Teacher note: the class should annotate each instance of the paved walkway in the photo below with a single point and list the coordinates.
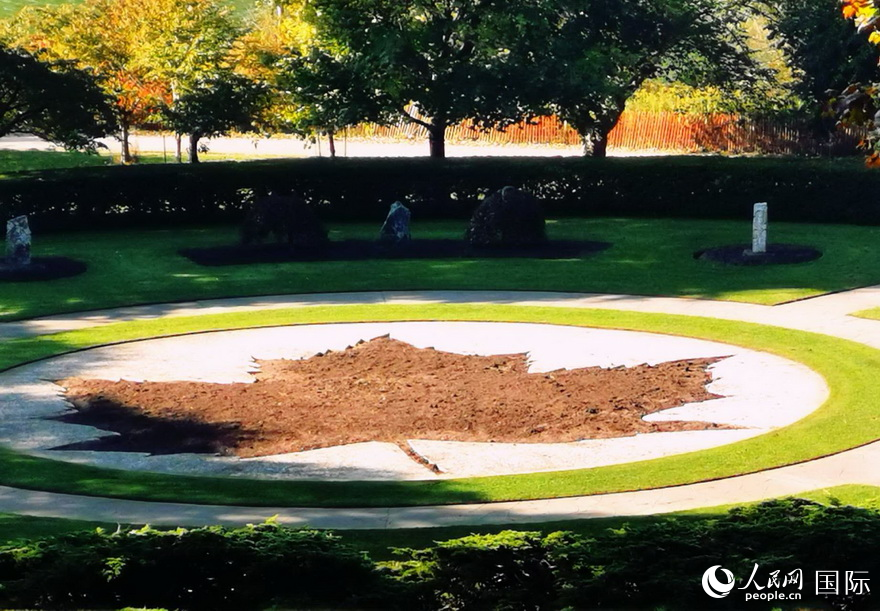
(828, 314)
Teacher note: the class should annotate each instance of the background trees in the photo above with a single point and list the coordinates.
(431, 62)
(214, 106)
(144, 53)
(53, 101)
(326, 64)
(600, 52)
(825, 52)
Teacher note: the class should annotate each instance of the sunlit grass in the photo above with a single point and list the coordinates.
(647, 258)
(849, 417)
(870, 314)
(24, 161)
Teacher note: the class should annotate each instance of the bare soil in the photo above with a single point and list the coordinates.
(385, 390)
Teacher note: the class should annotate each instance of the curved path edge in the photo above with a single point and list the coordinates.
(828, 315)
(844, 468)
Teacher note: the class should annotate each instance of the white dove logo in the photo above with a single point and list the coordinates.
(715, 587)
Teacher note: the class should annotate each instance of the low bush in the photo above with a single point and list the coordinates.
(800, 190)
(653, 566)
(204, 568)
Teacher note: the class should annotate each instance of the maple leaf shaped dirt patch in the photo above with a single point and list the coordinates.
(385, 390)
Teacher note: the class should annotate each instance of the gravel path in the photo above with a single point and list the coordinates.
(828, 314)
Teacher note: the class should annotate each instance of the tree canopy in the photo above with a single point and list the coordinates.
(825, 51)
(143, 52)
(599, 52)
(431, 62)
(214, 106)
(54, 101)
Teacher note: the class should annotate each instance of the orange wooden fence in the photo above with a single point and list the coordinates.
(661, 131)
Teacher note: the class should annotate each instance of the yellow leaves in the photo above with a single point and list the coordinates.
(858, 9)
(874, 37)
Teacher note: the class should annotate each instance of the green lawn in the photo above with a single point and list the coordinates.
(849, 418)
(14, 162)
(26, 161)
(649, 257)
(870, 314)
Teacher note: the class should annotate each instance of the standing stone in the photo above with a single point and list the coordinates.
(509, 217)
(18, 242)
(288, 218)
(759, 228)
(395, 229)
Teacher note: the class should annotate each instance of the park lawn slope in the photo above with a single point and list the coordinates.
(849, 418)
(647, 257)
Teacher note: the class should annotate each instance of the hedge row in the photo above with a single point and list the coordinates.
(362, 189)
(649, 567)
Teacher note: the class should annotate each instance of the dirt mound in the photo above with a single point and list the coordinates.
(386, 390)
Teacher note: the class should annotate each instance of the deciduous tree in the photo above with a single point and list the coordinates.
(213, 107)
(143, 52)
(53, 101)
(597, 53)
(431, 62)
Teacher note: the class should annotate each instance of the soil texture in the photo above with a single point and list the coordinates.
(41, 268)
(356, 250)
(385, 390)
(777, 254)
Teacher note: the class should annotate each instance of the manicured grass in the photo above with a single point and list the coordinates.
(652, 257)
(14, 162)
(870, 314)
(26, 161)
(850, 416)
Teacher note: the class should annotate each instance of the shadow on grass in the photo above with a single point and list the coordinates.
(648, 257)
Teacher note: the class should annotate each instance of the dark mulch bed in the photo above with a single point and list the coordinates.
(385, 390)
(777, 254)
(354, 250)
(42, 268)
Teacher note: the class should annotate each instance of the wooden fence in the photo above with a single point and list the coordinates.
(660, 131)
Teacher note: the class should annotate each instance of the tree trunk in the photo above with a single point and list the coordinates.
(194, 148)
(126, 149)
(437, 140)
(595, 143)
(178, 156)
(332, 142)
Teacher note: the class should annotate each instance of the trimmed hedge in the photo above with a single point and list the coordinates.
(658, 565)
(801, 190)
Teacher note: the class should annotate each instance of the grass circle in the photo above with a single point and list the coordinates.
(849, 418)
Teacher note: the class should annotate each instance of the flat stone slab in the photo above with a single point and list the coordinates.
(762, 392)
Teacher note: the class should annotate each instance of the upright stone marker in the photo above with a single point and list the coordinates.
(759, 228)
(395, 230)
(18, 242)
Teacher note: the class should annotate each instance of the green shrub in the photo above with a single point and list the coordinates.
(204, 568)
(362, 189)
(655, 566)
(508, 570)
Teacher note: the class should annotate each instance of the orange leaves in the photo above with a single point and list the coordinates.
(873, 160)
(856, 8)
